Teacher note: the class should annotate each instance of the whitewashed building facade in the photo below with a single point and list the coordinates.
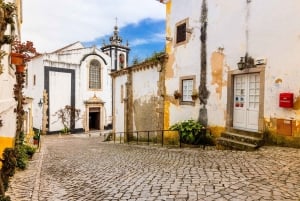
(205, 41)
(76, 76)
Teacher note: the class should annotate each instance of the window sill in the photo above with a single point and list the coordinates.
(192, 103)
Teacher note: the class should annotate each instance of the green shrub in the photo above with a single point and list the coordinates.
(29, 150)
(189, 131)
(4, 198)
(22, 157)
(192, 132)
(8, 166)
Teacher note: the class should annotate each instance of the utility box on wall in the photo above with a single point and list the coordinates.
(286, 100)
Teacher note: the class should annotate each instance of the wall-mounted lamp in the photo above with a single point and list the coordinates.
(163, 1)
(245, 62)
(40, 103)
(189, 30)
(169, 38)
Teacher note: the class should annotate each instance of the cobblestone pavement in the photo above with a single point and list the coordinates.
(85, 168)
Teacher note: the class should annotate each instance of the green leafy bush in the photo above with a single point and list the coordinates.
(8, 166)
(23, 153)
(22, 157)
(4, 198)
(29, 150)
(192, 132)
(189, 131)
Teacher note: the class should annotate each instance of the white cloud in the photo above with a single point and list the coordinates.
(158, 37)
(52, 24)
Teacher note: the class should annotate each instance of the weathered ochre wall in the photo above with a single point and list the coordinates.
(168, 67)
(146, 115)
(217, 72)
(5, 142)
(285, 132)
(234, 29)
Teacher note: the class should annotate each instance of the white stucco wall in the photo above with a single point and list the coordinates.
(58, 97)
(35, 68)
(7, 81)
(7, 101)
(119, 103)
(60, 83)
(145, 83)
(272, 34)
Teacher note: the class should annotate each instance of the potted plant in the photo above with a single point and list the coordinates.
(177, 94)
(36, 138)
(194, 95)
(16, 58)
(21, 53)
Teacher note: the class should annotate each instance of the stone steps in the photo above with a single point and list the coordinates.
(240, 140)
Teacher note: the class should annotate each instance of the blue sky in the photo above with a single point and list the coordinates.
(144, 38)
(141, 22)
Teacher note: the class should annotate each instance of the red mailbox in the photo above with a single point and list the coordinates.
(286, 100)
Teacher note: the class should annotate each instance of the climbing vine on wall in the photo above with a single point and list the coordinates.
(203, 92)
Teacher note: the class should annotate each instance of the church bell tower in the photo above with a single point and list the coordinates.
(118, 52)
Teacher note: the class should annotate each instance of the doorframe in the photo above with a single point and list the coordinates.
(94, 102)
(230, 92)
(98, 118)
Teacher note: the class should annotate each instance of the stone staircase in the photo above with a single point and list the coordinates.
(240, 140)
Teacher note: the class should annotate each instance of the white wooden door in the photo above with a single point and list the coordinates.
(246, 101)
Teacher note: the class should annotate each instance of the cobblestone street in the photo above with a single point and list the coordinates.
(77, 167)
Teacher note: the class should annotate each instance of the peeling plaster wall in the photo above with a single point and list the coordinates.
(138, 98)
(271, 35)
(146, 102)
(183, 60)
(263, 29)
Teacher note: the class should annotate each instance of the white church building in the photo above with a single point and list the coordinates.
(76, 76)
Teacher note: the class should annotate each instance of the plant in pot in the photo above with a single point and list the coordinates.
(27, 51)
(21, 53)
(177, 94)
(1, 122)
(194, 95)
(36, 138)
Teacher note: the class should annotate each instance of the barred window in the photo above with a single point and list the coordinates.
(95, 75)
